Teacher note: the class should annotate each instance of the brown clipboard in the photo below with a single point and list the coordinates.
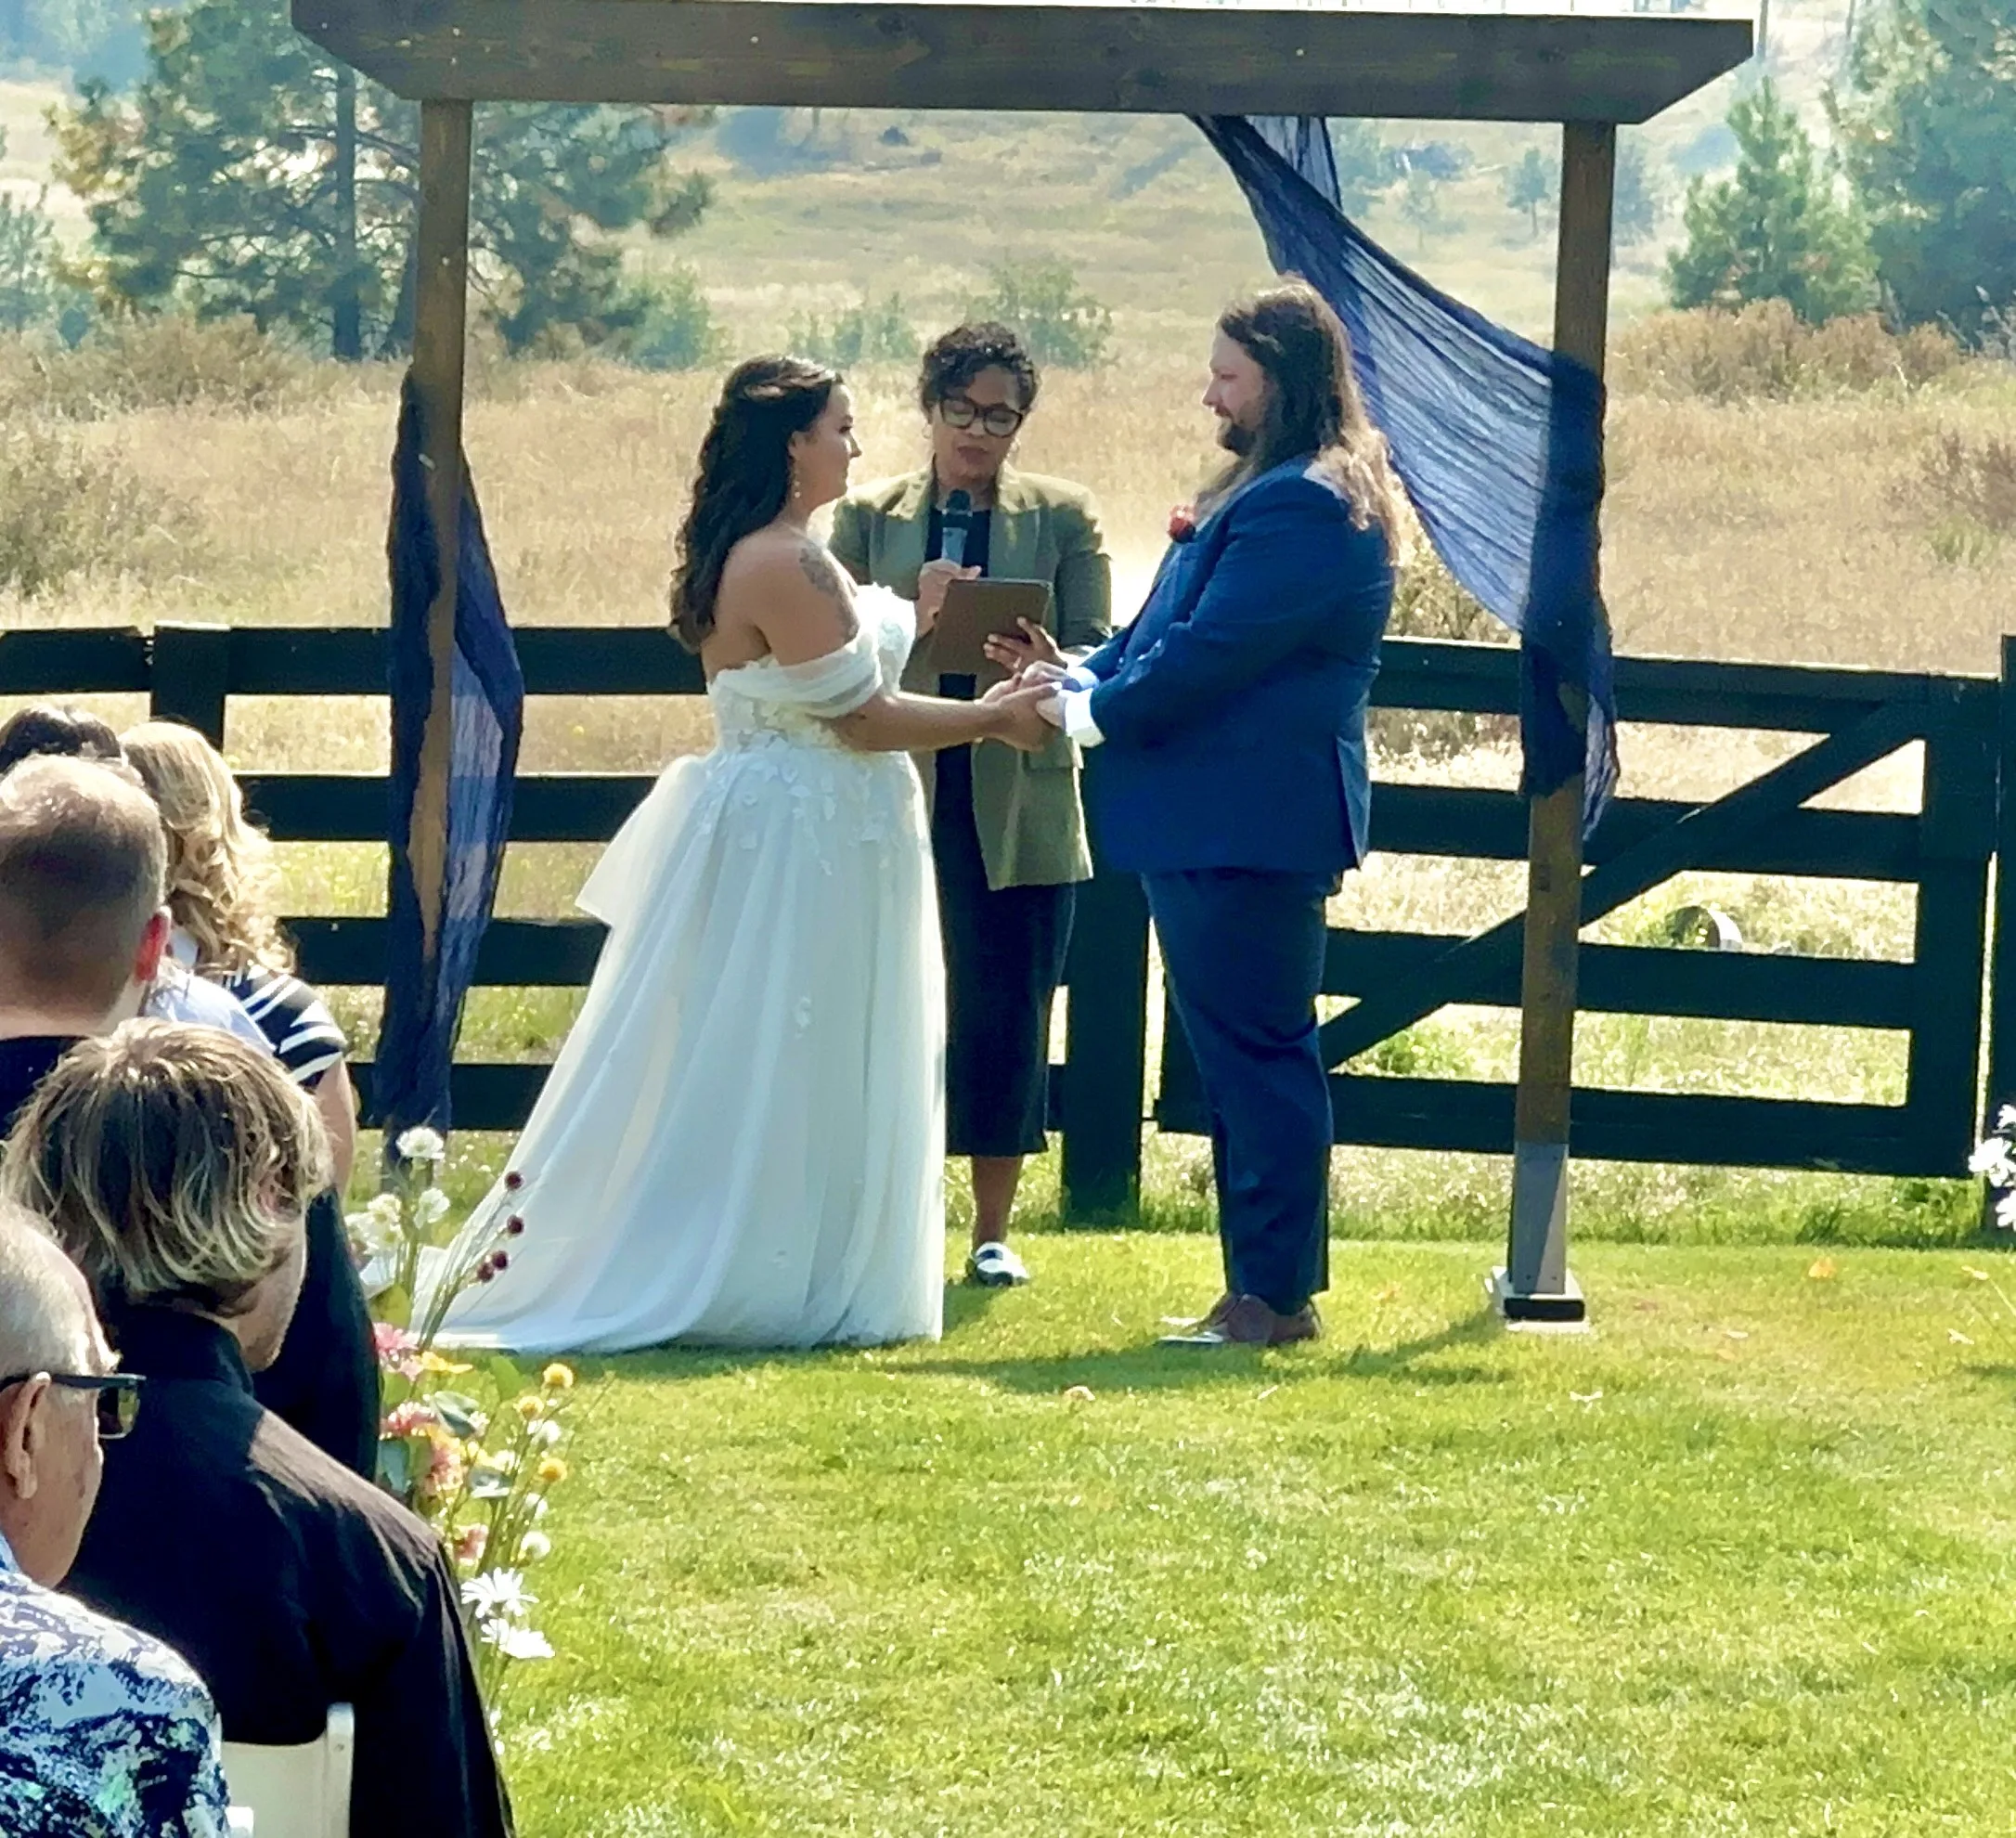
(976, 611)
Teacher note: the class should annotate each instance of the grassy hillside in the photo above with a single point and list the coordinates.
(926, 203)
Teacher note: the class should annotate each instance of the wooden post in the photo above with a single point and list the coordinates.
(189, 677)
(441, 314)
(2002, 950)
(1535, 1284)
(1105, 1048)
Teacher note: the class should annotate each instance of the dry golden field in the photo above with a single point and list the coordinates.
(1813, 529)
(1790, 531)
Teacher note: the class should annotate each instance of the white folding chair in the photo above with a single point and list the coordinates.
(299, 1792)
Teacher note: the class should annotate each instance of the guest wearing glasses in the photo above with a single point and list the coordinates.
(102, 1729)
(177, 1165)
(1007, 828)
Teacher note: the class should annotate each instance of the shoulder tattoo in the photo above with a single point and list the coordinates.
(824, 572)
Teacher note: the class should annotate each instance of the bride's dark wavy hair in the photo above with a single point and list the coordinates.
(744, 476)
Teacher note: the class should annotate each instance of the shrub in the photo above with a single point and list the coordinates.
(1064, 325)
(1428, 603)
(1765, 352)
(66, 511)
(1968, 489)
(873, 332)
(679, 330)
(160, 362)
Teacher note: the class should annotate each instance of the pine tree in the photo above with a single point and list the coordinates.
(252, 173)
(27, 285)
(1534, 181)
(1778, 230)
(1637, 202)
(1929, 137)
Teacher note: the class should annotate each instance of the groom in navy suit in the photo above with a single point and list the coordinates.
(1231, 713)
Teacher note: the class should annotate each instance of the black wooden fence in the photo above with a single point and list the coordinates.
(1967, 727)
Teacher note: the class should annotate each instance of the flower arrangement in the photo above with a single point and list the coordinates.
(479, 1471)
(1182, 523)
(1994, 1161)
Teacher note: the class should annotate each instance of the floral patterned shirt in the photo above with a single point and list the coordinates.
(103, 1733)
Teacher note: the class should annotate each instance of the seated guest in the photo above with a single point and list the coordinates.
(49, 727)
(83, 865)
(48, 730)
(221, 897)
(176, 1166)
(102, 1729)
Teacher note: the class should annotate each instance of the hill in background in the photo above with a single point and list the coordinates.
(815, 210)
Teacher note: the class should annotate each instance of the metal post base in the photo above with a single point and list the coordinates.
(1563, 1307)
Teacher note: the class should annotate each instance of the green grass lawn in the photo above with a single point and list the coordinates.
(1736, 1561)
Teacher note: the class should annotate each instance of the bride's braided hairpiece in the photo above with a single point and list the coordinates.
(743, 477)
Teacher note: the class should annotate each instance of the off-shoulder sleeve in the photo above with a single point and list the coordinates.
(830, 686)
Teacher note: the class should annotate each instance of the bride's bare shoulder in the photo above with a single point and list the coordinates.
(784, 585)
(773, 566)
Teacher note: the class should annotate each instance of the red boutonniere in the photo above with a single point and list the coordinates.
(1182, 523)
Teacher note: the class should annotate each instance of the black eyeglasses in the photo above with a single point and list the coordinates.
(118, 1399)
(1000, 421)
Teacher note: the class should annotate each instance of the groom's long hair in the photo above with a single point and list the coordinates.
(1313, 406)
(743, 478)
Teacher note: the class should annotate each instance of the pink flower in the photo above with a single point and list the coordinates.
(396, 1350)
(410, 1419)
(1182, 523)
(470, 1541)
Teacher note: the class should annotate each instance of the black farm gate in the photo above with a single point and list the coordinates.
(1098, 1099)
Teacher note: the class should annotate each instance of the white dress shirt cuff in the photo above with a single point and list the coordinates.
(1080, 679)
(1078, 718)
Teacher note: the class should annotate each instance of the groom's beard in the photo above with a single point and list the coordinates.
(1237, 440)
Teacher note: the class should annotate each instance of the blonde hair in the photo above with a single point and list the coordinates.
(222, 882)
(174, 1164)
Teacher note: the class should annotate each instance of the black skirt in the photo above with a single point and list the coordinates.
(1005, 952)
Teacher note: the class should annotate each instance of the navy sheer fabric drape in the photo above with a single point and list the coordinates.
(1499, 443)
(430, 957)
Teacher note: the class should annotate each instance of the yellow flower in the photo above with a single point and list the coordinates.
(551, 1472)
(530, 1406)
(431, 1361)
(558, 1378)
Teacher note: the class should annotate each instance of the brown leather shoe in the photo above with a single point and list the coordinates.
(1248, 1322)
(1199, 1324)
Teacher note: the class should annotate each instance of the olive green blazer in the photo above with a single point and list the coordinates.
(1025, 804)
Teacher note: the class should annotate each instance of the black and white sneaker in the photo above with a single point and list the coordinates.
(994, 1266)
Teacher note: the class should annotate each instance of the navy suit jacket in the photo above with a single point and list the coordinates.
(1233, 709)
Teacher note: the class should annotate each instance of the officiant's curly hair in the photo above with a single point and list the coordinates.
(1314, 405)
(743, 477)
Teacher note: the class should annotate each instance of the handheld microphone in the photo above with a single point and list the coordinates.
(956, 520)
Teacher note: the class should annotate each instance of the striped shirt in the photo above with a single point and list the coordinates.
(289, 1016)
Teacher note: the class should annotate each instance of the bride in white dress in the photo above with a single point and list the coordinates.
(742, 1141)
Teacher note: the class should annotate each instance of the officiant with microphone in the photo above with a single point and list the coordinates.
(1007, 828)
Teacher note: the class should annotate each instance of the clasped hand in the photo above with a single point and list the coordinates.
(1027, 710)
(1035, 664)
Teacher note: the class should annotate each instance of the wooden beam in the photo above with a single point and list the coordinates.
(439, 343)
(1535, 1284)
(1154, 58)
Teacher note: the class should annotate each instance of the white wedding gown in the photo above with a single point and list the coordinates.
(741, 1143)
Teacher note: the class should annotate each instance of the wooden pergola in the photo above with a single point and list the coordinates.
(1589, 72)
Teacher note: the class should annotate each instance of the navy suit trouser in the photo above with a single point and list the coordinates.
(1241, 953)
